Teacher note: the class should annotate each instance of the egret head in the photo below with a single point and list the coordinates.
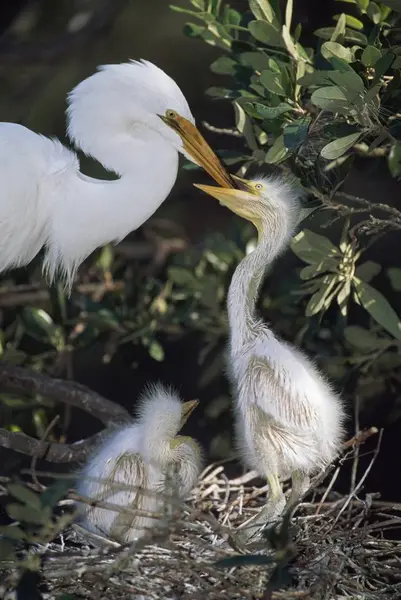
(136, 99)
(258, 200)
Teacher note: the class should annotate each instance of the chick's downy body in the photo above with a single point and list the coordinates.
(153, 465)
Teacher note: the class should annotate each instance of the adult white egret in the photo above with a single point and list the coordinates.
(289, 421)
(131, 117)
(149, 459)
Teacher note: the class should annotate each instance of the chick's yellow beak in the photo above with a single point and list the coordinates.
(234, 199)
(197, 147)
(187, 410)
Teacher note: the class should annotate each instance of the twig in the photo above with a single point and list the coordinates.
(22, 295)
(36, 456)
(49, 451)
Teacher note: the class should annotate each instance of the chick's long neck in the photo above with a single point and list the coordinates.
(248, 277)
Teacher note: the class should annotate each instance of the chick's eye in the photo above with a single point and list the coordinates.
(258, 186)
(171, 113)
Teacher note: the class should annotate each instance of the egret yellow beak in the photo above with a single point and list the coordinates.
(197, 147)
(235, 199)
(187, 409)
(243, 201)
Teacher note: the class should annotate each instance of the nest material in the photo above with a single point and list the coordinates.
(335, 548)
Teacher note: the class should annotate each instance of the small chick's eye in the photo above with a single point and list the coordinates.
(171, 114)
(258, 186)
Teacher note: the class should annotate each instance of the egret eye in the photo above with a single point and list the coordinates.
(258, 186)
(171, 114)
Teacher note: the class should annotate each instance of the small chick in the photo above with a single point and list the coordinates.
(147, 455)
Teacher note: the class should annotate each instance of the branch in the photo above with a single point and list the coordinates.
(18, 379)
(49, 451)
(21, 295)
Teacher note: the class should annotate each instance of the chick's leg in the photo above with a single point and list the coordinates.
(300, 485)
(273, 509)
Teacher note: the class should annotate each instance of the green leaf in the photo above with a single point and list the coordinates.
(331, 98)
(261, 111)
(350, 21)
(330, 49)
(105, 260)
(272, 82)
(318, 301)
(382, 66)
(367, 270)
(393, 4)
(370, 56)
(356, 37)
(38, 323)
(263, 10)
(378, 307)
(312, 247)
(156, 351)
(364, 339)
(296, 133)
(27, 514)
(11, 532)
(394, 160)
(350, 83)
(25, 495)
(338, 147)
(318, 268)
(394, 274)
(343, 297)
(266, 33)
(7, 551)
(339, 29)
(288, 13)
(258, 61)
(193, 30)
(183, 277)
(244, 125)
(363, 5)
(55, 492)
(374, 13)
(219, 92)
(277, 152)
(223, 66)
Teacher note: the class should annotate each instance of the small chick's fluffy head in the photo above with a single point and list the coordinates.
(159, 412)
(121, 98)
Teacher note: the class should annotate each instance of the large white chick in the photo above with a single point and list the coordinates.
(289, 421)
(155, 465)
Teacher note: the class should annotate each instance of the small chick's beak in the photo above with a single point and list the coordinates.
(187, 410)
(234, 199)
(198, 148)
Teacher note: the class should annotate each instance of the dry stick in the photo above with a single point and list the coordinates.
(363, 478)
(36, 455)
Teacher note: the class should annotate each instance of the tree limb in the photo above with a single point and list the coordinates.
(18, 379)
(50, 451)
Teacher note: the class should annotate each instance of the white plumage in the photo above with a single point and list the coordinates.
(289, 421)
(151, 461)
(131, 117)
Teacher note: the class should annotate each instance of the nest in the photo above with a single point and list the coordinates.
(333, 547)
